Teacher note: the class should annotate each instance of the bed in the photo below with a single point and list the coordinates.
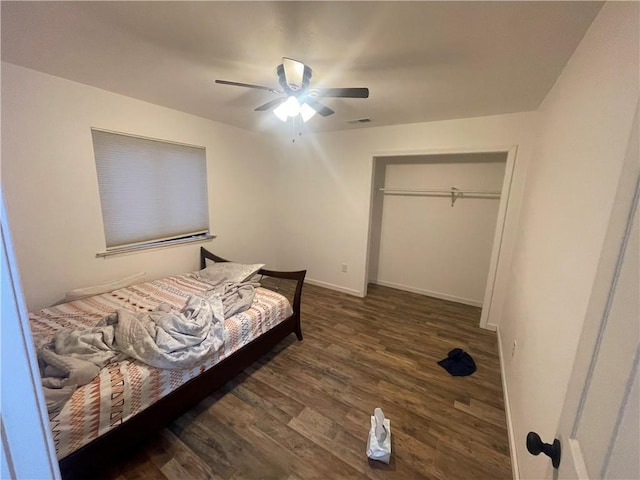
(128, 400)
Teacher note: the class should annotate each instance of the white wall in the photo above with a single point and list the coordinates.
(51, 192)
(317, 216)
(573, 174)
(326, 190)
(427, 245)
(310, 211)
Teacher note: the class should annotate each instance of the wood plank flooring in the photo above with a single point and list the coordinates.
(302, 411)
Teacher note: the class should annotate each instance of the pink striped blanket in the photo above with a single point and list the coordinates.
(123, 389)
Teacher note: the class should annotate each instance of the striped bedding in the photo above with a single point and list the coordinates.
(126, 388)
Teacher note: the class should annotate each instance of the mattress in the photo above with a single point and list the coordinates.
(123, 389)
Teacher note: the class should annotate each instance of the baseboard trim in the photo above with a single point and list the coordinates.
(492, 327)
(507, 409)
(428, 293)
(332, 286)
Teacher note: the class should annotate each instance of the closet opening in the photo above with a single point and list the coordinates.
(437, 222)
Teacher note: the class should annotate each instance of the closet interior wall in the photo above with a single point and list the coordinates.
(423, 242)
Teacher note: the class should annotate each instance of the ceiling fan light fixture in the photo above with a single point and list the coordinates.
(293, 106)
(289, 108)
(281, 112)
(306, 112)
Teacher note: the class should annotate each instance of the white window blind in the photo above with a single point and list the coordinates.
(151, 191)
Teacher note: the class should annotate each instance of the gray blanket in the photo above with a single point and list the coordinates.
(163, 338)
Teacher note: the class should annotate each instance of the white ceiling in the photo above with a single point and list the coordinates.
(422, 61)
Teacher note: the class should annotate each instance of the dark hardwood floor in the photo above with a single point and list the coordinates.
(302, 411)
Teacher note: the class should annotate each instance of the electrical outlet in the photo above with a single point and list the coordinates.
(344, 268)
(513, 348)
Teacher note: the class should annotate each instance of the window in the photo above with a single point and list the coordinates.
(152, 192)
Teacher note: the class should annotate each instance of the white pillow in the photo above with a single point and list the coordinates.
(220, 272)
(79, 293)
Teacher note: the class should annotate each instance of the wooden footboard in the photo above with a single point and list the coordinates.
(84, 462)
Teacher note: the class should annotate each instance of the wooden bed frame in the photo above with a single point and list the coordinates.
(102, 450)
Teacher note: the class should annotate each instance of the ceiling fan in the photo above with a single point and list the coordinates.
(299, 99)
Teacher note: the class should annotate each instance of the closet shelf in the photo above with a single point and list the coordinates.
(452, 192)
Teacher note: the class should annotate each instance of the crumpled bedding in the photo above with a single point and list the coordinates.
(163, 338)
(73, 358)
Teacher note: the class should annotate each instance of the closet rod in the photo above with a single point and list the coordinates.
(447, 191)
(454, 192)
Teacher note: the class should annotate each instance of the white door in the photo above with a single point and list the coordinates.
(27, 450)
(600, 428)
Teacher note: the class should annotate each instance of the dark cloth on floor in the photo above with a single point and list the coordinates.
(458, 363)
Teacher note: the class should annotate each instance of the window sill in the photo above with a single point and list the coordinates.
(154, 245)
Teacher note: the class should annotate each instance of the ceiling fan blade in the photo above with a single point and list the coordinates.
(247, 85)
(270, 105)
(319, 108)
(354, 92)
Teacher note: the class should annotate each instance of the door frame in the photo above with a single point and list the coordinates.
(27, 449)
(502, 230)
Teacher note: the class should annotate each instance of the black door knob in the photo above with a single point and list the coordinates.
(536, 446)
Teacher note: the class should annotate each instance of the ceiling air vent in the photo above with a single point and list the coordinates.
(359, 120)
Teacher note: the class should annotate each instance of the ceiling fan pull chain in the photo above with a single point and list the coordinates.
(293, 129)
(297, 125)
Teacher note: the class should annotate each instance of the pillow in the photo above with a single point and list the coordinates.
(220, 272)
(79, 293)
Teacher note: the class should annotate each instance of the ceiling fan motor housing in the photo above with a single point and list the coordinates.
(293, 76)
